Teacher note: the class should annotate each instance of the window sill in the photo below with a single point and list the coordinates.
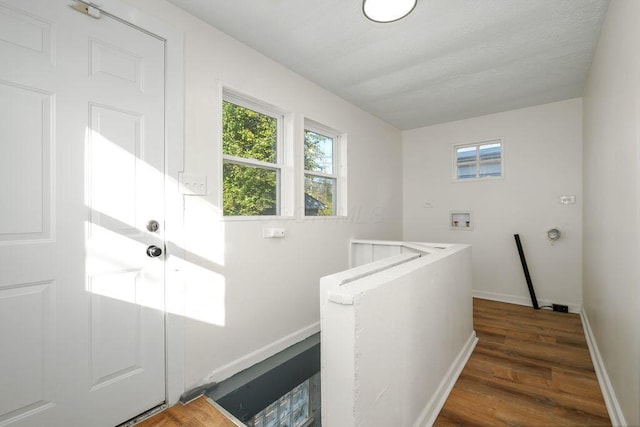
(319, 217)
(272, 218)
(264, 218)
(486, 178)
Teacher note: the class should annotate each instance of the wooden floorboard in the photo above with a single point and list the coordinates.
(198, 413)
(529, 368)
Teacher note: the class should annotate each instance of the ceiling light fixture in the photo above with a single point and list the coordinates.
(387, 10)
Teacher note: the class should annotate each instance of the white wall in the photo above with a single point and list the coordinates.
(253, 296)
(542, 160)
(611, 206)
(392, 347)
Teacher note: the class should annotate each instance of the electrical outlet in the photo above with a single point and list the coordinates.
(561, 308)
(568, 200)
(272, 233)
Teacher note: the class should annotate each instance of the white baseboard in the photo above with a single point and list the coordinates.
(434, 406)
(609, 395)
(520, 300)
(248, 360)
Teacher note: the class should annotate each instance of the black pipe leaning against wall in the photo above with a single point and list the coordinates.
(523, 260)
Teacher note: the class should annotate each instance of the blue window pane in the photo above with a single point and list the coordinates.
(466, 154)
(318, 152)
(467, 171)
(490, 151)
(490, 169)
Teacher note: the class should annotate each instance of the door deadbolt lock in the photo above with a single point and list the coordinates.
(153, 251)
(153, 226)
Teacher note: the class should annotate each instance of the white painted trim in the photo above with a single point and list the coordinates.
(520, 300)
(248, 360)
(434, 406)
(608, 393)
(454, 170)
(174, 164)
(174, 122)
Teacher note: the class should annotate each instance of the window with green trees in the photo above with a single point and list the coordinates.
(257, 177)
(320, 171)
(251, 166)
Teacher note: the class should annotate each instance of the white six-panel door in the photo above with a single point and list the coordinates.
(81, 175)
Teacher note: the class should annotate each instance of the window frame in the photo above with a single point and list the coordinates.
(477, 161)
(280, 166)
(339, 167)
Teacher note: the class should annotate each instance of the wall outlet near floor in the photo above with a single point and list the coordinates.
(560, 308)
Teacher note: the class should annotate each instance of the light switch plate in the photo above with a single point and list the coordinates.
(193, 185)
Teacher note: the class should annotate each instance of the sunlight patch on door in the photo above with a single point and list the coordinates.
(113, 179)
(117, 238)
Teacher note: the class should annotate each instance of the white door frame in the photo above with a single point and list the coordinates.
(174, 164)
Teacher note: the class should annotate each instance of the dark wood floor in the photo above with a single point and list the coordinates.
(529, 368)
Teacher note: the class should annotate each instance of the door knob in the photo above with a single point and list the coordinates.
(153, 225)
(153, 251)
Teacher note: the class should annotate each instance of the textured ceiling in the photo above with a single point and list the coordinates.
(448, 60)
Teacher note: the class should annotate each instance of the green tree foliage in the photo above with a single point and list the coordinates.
(248, 134)
(311, 151)
(318, 157)
(250, 190)
(321, 189)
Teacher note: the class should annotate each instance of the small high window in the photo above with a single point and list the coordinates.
(251, 153)
(322, 181)
(480, 160)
